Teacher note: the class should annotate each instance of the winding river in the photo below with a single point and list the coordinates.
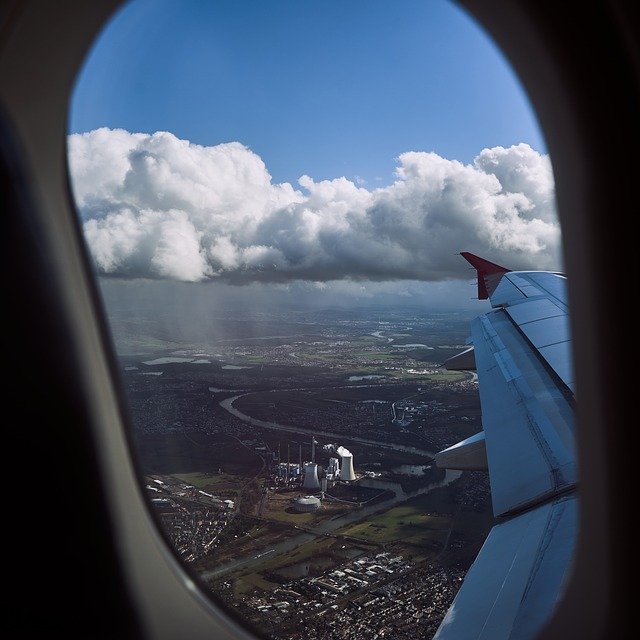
(227, 405)
(327, 527)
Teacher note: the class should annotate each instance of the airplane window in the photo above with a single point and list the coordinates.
(274, 197)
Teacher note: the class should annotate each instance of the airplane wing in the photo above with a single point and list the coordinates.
(522, 354)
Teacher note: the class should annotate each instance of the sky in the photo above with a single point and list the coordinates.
(328, 89)
(339, 149)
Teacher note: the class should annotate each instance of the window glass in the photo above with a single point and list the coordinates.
(274, 197)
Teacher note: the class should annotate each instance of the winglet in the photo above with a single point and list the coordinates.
(489, 273)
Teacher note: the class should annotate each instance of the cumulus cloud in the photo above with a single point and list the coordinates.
(155, 206)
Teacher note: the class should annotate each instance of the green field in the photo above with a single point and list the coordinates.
(425, 521)
(291, 517)
(255, 359)
(200, 480)
(325, 552)
(143, 345)
(407, 523)
(250, 581)
(307, 519)
(375, 355)
(309, 550)
(219, 482)
(322, 546)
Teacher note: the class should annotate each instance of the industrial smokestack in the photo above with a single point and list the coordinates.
(346, 470)
(346, 465)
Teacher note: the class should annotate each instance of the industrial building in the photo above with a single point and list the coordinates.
(333, 470)
(284, 470)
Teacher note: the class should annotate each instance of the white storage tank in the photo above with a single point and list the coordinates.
(306, 504)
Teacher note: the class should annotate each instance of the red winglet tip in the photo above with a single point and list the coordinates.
(484, 269)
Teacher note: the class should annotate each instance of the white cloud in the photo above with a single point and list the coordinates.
(158, 207)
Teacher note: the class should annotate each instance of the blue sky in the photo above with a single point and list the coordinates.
(332, 88)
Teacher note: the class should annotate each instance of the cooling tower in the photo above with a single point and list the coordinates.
(346, 468)
(311, 476)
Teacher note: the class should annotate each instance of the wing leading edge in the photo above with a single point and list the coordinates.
(522, 355)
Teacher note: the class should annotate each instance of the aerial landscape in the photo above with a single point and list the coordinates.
(275, 215)
(241, 442)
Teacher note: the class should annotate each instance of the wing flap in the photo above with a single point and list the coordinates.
(546, 331)
(517, 286)
(517, 578)
(546, 326)
(527, 417)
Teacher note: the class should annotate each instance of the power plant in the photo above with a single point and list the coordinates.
(309, 475)
(313, 485)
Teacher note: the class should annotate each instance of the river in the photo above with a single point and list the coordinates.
(328, 526)
(227, 405)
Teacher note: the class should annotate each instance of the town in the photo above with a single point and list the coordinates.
(294, 475)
